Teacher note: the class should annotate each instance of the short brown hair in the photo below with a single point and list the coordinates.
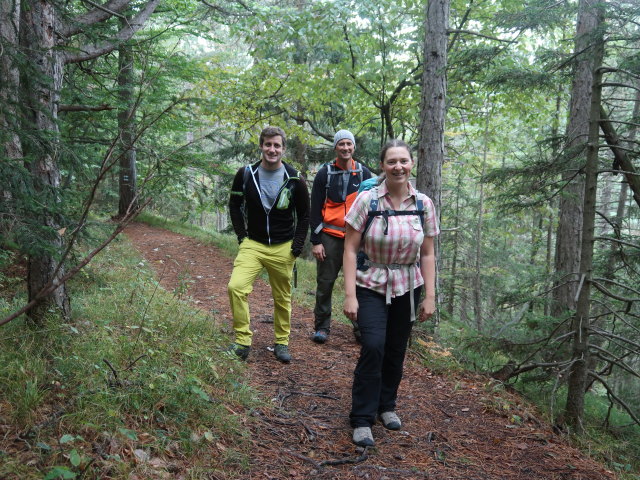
(272, 132)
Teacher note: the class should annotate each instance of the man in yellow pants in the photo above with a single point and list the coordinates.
(269, 209)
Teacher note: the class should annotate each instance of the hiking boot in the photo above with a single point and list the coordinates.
(321, 336)
(390, 420)
(363, 437)
(282, 353)
(240, 351)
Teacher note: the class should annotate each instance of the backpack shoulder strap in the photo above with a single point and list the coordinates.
(373, 209)
(420, 210)
(245, 178)
(374, 212)
(359, 170)
(248, 176)
(331, 171)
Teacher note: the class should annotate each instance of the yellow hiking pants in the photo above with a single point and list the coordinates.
(251, 259)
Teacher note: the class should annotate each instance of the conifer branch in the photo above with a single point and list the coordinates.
(608, 293)
(478, 34)
(622, 160)
(617, 240)
(614, 336)
(619, 84)
(618, 400)
(85, 108)
(228, 13)
(99, 14)
(97, 50)
(612, 359)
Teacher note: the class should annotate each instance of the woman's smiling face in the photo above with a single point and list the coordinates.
(397, 165)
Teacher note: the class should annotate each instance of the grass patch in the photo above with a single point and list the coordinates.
(136, 384)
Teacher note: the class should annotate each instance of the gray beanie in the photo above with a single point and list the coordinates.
(341, 135)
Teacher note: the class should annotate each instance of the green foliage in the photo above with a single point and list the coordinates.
(132, 372)
(538, 15)
(208, 79)
(520, 79)
(296, 51)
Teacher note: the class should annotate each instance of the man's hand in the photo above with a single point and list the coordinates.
(318, 252)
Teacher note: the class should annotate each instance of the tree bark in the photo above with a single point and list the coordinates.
(38, 34)
(89, 52)
(568, 239)
(622, 160)
(455, 247)
(477, 283)
(9, 79)
(128, 200)
(43, 37)
(579, 370)
(551, 217)
(431, 147)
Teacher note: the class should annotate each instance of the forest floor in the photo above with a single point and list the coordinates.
(459, 426)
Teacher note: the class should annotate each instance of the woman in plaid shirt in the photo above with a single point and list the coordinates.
(400, 261)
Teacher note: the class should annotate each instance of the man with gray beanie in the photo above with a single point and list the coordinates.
(335, 187)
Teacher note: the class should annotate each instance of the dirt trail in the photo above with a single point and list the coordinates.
(453, 428)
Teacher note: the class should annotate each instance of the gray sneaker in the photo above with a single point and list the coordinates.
(282, 353)
(363, 437)
(390, 420)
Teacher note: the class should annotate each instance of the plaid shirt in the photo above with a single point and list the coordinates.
(401, 245)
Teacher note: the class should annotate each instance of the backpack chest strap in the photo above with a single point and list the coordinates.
(385, 214)
(346, 176)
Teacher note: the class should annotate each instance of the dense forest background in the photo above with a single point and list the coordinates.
(524, 116)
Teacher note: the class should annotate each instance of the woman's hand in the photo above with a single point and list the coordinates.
(427, 309)
(351, 308)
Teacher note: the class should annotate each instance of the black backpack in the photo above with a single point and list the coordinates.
(332, 171)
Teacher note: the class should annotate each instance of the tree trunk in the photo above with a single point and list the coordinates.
(622, 197)
(537, 229)
(548, 261)
(431, 148)
(456, 247)
(551, 218)
(127, 127)
(579, 371)
(477, 283)
(9, 79)
(464, 297)
(10, 145)
(38, 34)
(568, 240)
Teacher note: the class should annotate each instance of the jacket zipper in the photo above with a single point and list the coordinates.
(268, 213)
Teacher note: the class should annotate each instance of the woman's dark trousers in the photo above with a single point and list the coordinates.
(385, 333)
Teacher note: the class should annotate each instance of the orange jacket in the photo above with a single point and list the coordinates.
(332, 195)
